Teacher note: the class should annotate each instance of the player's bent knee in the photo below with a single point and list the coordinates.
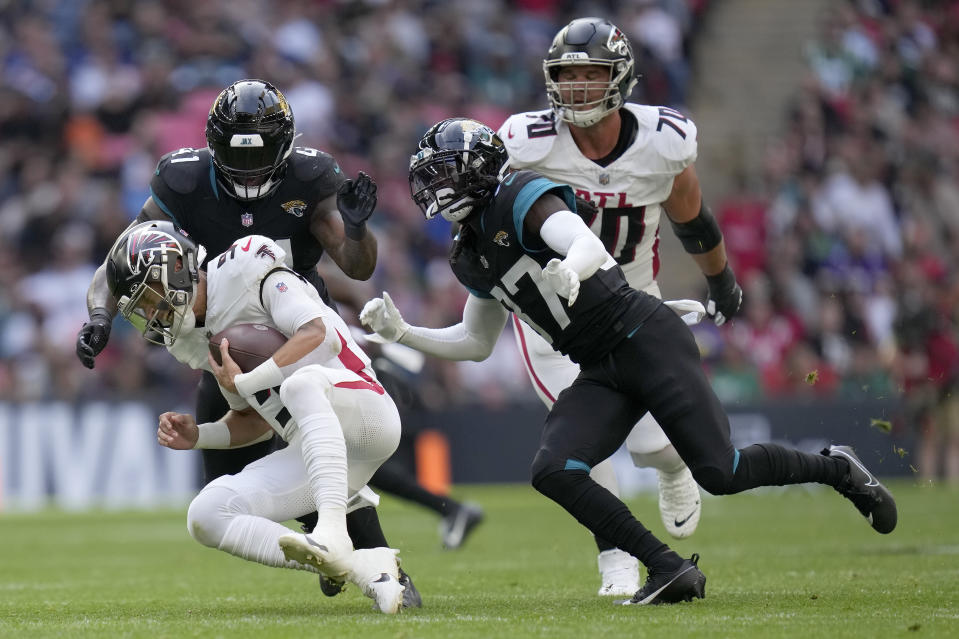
(210, 513)
(305, 382)
(547, 471)
(713, 480)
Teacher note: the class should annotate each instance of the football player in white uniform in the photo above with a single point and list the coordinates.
(318, 392)
(632, 163)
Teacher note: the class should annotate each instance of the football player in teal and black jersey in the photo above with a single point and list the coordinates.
(252, 180)
(522, 249)
(635, 164)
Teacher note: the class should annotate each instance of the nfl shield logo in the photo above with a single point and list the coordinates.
(246, 219)
(604, 178)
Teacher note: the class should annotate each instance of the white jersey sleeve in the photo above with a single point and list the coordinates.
(529, 137)
(290, 301)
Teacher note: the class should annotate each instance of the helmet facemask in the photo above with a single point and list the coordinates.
(570, 100)
(249, 168)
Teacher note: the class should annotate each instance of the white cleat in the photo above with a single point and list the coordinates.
(332, 557)
(386, 592)
(376, 572)
(679, 502)
(619, 572)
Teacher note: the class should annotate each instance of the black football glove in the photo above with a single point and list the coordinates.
(356, 200)
(725, 296)
(94, 335)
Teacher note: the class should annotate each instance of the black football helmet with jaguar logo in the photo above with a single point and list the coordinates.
(458, 164)
(250, 133)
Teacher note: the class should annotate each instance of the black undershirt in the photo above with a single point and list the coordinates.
(627, 134)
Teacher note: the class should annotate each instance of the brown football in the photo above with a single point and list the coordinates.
(250, 344)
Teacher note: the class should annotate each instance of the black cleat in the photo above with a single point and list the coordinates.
(456, 527)
(865, 492)
(683, 584)
(411, 596)
(331, 587)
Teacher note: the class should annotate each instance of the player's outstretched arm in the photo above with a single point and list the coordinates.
(472, 339)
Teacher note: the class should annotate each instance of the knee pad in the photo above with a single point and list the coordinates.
(210, 513)
(713, 480)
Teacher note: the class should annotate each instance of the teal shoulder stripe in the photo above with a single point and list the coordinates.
(480, 294)
(532, 192)
(216, 191)
(163, 207)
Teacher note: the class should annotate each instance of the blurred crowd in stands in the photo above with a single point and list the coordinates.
(847, 246)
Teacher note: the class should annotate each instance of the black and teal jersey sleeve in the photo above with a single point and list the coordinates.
(522, 188)
(499, 260)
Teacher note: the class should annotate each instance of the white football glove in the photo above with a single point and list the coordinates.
(563, 280)
(381, 316)
(691, 311)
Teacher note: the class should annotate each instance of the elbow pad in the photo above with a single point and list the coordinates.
(699, 235)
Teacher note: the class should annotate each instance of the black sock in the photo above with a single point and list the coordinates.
(607, 517)
(602, 544)
(392, 477)
(363, 526)
(774, 465)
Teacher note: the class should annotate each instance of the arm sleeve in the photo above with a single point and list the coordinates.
(567, 234)
(472, 339)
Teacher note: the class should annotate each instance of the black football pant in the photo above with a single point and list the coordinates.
(657, 369)
(362, 524)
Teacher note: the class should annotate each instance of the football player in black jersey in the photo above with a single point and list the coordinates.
(523, 249)
(252, 180)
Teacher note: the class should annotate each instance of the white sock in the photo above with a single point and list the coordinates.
(324, 452)
(257, 539)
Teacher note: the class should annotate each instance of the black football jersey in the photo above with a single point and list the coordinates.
(505, 262)
(184, 186)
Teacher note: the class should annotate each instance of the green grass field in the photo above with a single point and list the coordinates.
(779, 563)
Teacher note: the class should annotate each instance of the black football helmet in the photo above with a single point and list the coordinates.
(589, 41)
(152, 271)
(458, 164)
(250, 133)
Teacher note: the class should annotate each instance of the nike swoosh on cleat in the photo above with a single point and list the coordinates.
(872, 480)
(679, 522)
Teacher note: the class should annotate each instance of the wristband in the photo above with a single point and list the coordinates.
(213, 435)
(722, 281)
(266, 375)
(355, 233)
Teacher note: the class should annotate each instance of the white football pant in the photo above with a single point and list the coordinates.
(240, 513)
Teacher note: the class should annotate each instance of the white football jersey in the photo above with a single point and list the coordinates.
(629, 191)
(250, 284)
